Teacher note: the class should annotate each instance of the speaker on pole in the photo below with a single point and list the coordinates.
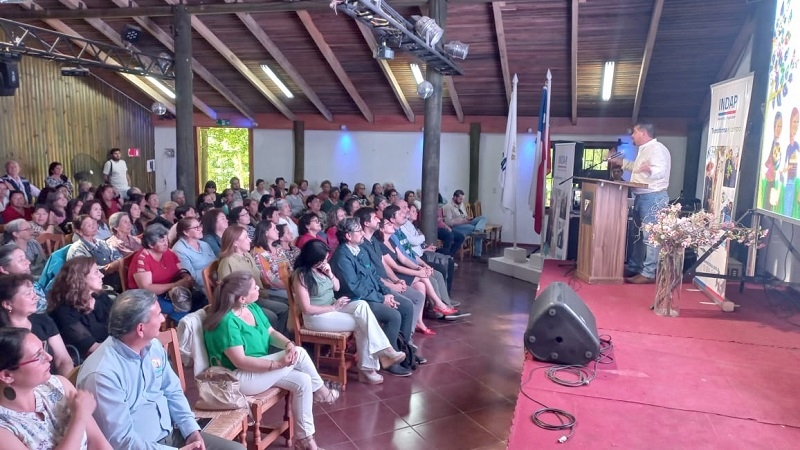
(9, 75)
(561, 329)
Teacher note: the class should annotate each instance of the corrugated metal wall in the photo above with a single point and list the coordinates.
(55, 118)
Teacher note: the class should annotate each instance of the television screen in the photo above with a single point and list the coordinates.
(779, 187)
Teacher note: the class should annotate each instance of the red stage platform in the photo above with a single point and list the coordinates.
(705, 380)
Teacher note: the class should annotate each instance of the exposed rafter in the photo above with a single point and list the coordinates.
(336, 66)
(134, 80)
(238, 64)
(451, 89)
(499, 30)
(114, 36)
(387, 72)
(166, 40)
(728, 67)
(573, 61)
(655, 19)
(277, 54)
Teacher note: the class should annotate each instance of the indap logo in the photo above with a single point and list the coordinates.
(727, 106)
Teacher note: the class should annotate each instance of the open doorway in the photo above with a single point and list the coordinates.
(223, 153)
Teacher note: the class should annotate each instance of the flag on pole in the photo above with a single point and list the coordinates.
(508, 166)
(542, 164)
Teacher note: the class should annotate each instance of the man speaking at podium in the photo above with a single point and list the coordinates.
(651, 167)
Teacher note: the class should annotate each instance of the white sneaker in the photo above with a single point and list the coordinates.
(370, 377)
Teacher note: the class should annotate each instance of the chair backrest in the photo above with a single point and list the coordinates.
(295, 314)
(210, 280)
(468, 209)
(169, 339)
(50, 242)
(73, 375)
(476, 208)
(123, 271)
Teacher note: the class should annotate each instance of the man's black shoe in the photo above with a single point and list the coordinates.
(421, 359)
(630, 273)
(399, 371)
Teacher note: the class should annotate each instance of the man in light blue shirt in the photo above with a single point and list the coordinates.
(140, 403)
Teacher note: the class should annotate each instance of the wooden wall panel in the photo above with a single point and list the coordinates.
(55, 118)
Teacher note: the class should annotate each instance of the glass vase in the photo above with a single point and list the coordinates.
(669, 277)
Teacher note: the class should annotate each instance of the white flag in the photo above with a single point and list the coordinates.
(508, 166)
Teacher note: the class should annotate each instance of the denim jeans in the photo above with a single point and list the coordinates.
(451, 241)
(476, 224)
(645, 210)
(393, 320)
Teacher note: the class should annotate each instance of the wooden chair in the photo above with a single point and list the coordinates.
(227, 424)
(258, 404)
(337, 342)
(209, 280)
(50, 242)
(73, 375)
(123, 271)
(493, 231)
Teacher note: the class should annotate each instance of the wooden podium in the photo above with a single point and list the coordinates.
(603, 225)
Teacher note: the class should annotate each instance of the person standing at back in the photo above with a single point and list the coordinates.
(115, 172)
(651, 167)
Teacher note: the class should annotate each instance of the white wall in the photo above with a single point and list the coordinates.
(166, 175)
(273, 155)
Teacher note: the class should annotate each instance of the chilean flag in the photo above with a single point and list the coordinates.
(542, 165)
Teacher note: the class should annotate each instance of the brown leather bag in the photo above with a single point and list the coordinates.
(219, 390)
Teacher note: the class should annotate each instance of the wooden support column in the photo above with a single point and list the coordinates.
(431, 137)
(299, 135)
(474, 160)
(184, 111)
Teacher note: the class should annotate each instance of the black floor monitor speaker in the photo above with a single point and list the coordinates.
(561, 329)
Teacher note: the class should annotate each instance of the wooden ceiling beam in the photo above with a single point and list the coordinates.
(387, 72)
(280, 58)
(167, 41)
(727, 69)
(500, 32)
(238, 64)
(133, 79)
(336, 66)
(114, 36)
(451, 89)
(655, 19)
(573, 61)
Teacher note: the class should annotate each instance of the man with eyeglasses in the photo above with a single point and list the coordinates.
(359, 281)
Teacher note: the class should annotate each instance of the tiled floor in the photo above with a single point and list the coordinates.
(463, 398)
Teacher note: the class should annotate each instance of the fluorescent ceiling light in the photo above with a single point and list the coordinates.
(415, 70)
(161, 87)
(277, 81)
(608, 80)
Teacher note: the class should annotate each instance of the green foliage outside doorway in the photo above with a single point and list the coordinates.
(224, 153)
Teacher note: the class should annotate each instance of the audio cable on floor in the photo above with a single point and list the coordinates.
(581, 376)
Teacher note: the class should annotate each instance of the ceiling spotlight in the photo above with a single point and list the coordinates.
(384, 51)
(131, 34)
(429, 30)
(608, 80)
(343, 127)
(164, 62)
(456, 49)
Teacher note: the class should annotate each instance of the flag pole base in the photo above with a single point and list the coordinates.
(515, 254)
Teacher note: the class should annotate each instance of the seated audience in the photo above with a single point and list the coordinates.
(263, 203)
(335, 216)
(167, 217)
(305, 191)
(309, 227)
(78, 305)
(140, 402)
(359, 192)
(358, 280)
(391, 195)
(295, 200)
(122, 238)
(14, 261)
(16, 182)
(157, 269)
(313, 205)
(20, 232)
(16, 208)
(286, 240)
(108, 198)
(178, 196)
(260, 190)
(351, 205)
(377, 189)
(314, 283)
(238, 336)
(152, 209)
(235, 256)
(39, 410)
(3, 196)
(210, 190)
(451, 240)
(94, 209)
(236, 189)
(73, 210)
(57, 178)
(251, 206)
(180, 212)
(18, 309)
(332, 200)
(455, 216)
(325, 190)
(134, 211)
(280, 187)
(240, 216)
(40, 220)
(380, 204)
(214, 224)
(193, 254)
(108, 258)
(226, 200)
(285, 213)
(271, 213)
(269, 256)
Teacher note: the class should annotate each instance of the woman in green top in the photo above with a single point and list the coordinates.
(237, 336)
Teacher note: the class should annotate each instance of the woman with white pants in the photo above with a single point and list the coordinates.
(313, 285)
(237, 335)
